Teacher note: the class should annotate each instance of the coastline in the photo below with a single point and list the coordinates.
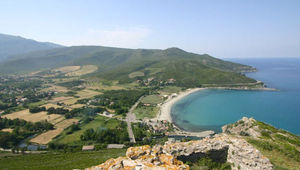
(165, 114)
(165, 109)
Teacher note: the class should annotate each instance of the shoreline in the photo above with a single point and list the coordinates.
(165, 114)
(165, 109)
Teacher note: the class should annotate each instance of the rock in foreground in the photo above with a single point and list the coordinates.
(232, 149)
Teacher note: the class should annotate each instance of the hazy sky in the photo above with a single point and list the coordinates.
(224, 28)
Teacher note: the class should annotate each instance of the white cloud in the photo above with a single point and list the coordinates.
(130, 38)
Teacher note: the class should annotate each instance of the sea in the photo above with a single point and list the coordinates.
(211, 109)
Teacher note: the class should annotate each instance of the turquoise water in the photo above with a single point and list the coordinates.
(210, 109)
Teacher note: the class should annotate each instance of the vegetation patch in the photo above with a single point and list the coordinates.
(86, 69)
(99, 121)
(152, 99)
(59, 160)
(208, 163)
(36, 117)
(170, 89)
(136, 74)
(67, 69)
(87, 93)
(282, 151)
(21, 130)
(46, 137)
(142, 112)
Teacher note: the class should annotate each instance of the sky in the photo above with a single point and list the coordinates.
(221, 28)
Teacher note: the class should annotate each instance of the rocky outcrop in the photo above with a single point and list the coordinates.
(232, 149)
(143, 157)
(244, 127)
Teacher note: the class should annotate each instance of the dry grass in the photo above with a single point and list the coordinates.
(87, 93)
(67, 69)
(66, 123)
(50, 105)
(74, 106)
(103, 87)
(32, 117)
(86, 69)
(136, 74)
(7, 130)
(56, 88)
(46, 137)
(60, 99)
(57, 120)
(70, 101)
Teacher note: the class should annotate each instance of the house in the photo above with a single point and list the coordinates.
(88, 148)
(115, 146)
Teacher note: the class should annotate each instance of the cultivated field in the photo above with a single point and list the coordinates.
(70, 101)
(50, 105)
(170, 89)
(152, 99)
(66, 123)
(56, 88)
(86, 69)
(146, 112)
(46, 137)
(60, 99)
(74, 106)
(136, 74)
(67, 69)
(99, 121)
(32, 117)
(87, 93)
(59, 122)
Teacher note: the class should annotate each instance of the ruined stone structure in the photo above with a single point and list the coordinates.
(222, 147)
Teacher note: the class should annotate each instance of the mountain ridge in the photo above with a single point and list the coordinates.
(189, 69)
(11, 45)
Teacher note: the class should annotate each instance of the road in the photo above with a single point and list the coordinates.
(130, 117)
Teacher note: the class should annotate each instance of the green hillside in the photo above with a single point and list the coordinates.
(119, 63)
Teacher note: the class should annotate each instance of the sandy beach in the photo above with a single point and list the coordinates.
(165, 113)
(165, 109)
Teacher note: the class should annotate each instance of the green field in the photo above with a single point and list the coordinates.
(99, 121)
(59, 160)
(170, 89)
(152, 99)
(143, 112)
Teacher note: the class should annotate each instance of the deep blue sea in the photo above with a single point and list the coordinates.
(211, 109)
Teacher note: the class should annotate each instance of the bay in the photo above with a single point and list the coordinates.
(210, 109)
